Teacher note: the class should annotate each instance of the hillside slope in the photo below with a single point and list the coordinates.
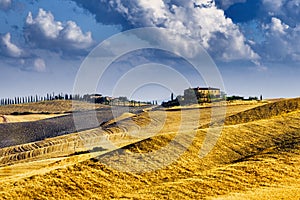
(49, 107)
(259, 112)
(265, 111)
(258, 156)
(119, 133)
(12, 134)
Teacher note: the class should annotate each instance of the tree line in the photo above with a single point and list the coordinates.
(37, 98)
(117, 101)
(92, 98)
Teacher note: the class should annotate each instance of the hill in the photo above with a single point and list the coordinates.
(48, 107)
(253, 159)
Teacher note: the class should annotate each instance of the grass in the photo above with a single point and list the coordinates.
(28, 117)
(253, 159)
(48, 107)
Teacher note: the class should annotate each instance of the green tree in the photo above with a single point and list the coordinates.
(190, 96)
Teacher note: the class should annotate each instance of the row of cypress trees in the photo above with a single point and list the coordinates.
(61, 96)
(36, 98)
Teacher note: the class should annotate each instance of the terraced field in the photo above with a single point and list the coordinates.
(257, 156)
(12, 134)
(20, 133)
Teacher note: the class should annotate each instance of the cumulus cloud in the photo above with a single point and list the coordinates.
(7, 48)
(287, 10)
(277, 27)
(272, 30)
(282, 42)
(45, 32)
(15, 56)
(5, 4)
(200, 20)
(281, 29)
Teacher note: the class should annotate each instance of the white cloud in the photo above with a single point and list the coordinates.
(8, 48)
(45, 23)
(200, 20)
(287, 10)
(44, 32)
(5, 4)
(72, 35)
(39, 65)
(273, 34)
(208, 25)
(282, 42)
(277, 26)
(282, 6)
(19, 57)
(35, 64)
(156, 8)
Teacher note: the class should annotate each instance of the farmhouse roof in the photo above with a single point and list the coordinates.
(206, 88)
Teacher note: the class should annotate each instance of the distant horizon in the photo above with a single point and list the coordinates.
(141, 98)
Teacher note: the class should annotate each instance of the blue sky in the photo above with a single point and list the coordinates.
(254, 43)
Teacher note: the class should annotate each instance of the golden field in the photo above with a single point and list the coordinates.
(48, 107)
(156, 155)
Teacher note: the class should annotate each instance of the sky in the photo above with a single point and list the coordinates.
(255, 44)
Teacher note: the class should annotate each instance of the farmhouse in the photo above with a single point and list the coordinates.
(202, 94)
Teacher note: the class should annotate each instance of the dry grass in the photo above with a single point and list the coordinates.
(48, 107)
(27, 118)
(257, 159)
(265, 112)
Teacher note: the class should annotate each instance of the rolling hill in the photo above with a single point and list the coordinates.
(257, 156)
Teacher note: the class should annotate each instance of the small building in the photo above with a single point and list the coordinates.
(202, 94)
